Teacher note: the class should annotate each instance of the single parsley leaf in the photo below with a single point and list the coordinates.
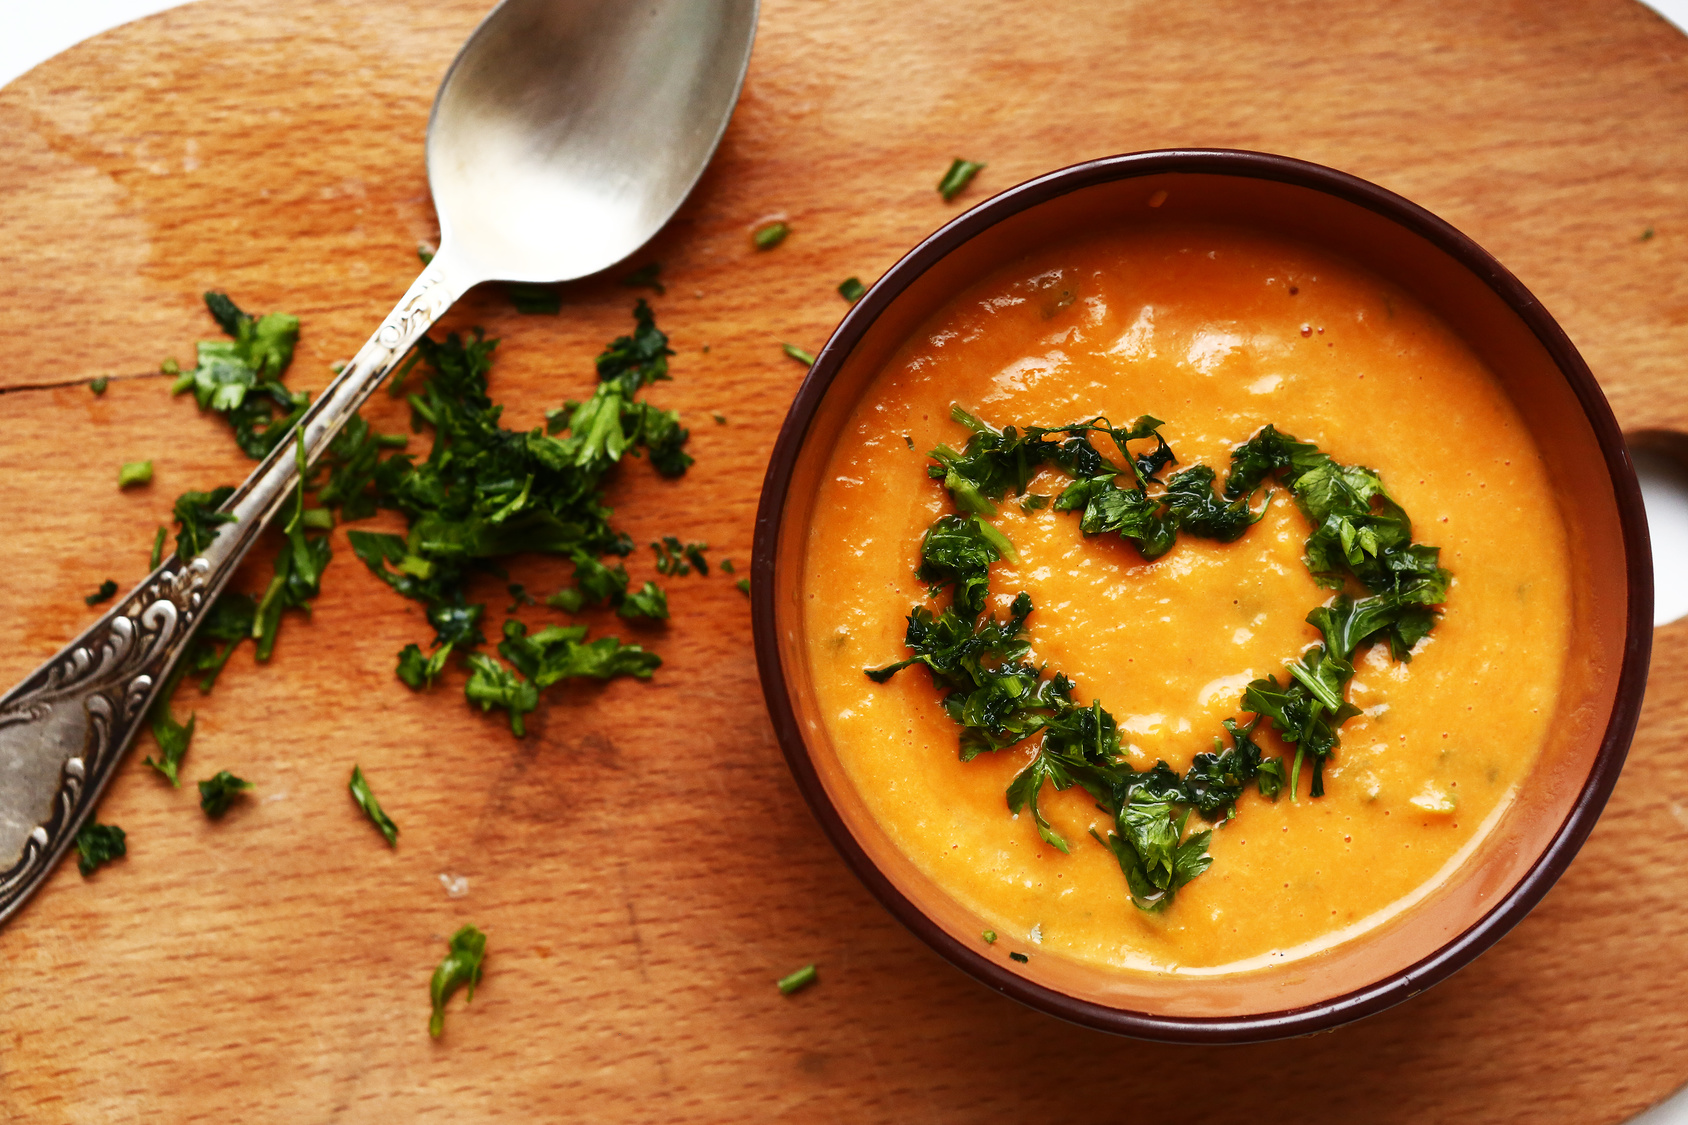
(646, 277)
(769, 236)
(366, 801)
(491, 684)
(960, 174)
(98, 386)
(132, 473)
(107, 591)
(171, 736)
(98, 844)
(461, 966)
(218, 792)
(559, 652)
(798, 980)
(228, 622)
(158, 547)
(240, 378)
(805, 358)
(535, 300)
(851, 289)
(198, 519)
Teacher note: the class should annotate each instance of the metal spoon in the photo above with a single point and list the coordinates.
(565, 134)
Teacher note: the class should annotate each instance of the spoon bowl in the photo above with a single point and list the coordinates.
(569, 131)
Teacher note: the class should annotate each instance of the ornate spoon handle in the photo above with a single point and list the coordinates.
(64, 729)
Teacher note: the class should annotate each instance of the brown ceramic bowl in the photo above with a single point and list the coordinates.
(1558, 399)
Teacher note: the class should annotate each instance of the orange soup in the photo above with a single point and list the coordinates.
(1219, 332)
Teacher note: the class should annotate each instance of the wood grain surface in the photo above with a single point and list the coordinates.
(642, 862)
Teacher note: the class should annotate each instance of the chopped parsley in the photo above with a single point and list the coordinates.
(989, 936)
(198, 519)
(797, 981)
(676, 558)
(240, 378)
(372, 808)
(1000, 698)
(171, 736)
(98, 844)
(484, 492)
(797, 353)
(1020, 957)
(131, 473)
(461, 966)
(107, 591)
(743, 585)
(218, 792)
(851, 289)
(769, 236)
(646, 277)
(158, 547)
(98, 386)
(960, 174)
(535, 300)
(490, 684)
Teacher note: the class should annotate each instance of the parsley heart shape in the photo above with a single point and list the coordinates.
(1359, 535)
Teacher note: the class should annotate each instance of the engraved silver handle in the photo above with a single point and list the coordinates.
(64, 729)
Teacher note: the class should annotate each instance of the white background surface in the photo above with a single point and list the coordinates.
(32, 31)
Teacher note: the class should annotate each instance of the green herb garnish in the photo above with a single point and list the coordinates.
(240, 378)
(98, 386)
(198, 519)
(217, 793)
(131, 473)
(484, 492)
(676, 558)
(158, 547)
(797, 353)
(769, 236)
(960, 174)
(492, 685)
(98, 844)
(851, 289)
(171, 736)
(425, 253)
(646, 277)
(1020, 957)
(228, 622)
(535, 300)
(107, 591)
(1000, 699)
(797, 981)
(461, 966)
(372, 808)
(743, 585)
(989, 936)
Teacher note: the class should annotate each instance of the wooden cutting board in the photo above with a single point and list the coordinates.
(642, 863)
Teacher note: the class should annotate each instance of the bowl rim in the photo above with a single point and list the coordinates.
(1614, 744)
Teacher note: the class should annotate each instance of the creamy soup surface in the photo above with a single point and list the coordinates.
(1219, 331)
